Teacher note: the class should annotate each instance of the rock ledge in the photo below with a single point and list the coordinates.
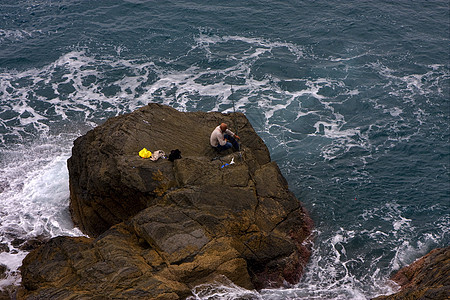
(158, 229)
(426, 278)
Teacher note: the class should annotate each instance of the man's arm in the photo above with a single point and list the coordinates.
(231, 133)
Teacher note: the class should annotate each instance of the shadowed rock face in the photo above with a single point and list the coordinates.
(161, 228)
(426, 278)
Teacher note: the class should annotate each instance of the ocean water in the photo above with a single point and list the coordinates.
(351, 97)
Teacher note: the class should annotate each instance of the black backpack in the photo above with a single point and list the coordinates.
(174, 154)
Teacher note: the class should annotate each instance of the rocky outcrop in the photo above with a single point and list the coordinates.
(158, 229)
(427, 278)
(109, 182)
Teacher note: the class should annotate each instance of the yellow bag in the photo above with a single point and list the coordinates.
(144, 153)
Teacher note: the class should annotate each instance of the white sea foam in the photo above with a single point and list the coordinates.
(33, 200)
(13, 35)
(222, 288)
(256, 46)
(411, 85)
(12, 262)
(339, 59)
(399, 234)
(75, 84)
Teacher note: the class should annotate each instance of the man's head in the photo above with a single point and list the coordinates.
(223, 127)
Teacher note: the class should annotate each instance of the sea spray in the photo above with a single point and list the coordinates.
(34, 201)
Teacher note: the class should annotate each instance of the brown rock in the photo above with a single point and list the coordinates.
(4, 247)
(426, 278)
(116, 265)
(3, 270)
(162, 228)
(109, 182)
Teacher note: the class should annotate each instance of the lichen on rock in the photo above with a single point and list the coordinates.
(159, 229)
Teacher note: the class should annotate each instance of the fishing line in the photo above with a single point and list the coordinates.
(234, 121)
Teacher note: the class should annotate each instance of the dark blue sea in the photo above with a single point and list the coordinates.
(351, 97)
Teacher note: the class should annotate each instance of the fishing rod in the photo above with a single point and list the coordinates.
(235, 124)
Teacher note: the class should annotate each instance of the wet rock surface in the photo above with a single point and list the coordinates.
(426, 278)
(158, 229)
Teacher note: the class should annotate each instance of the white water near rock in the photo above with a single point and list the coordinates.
(34, 200)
